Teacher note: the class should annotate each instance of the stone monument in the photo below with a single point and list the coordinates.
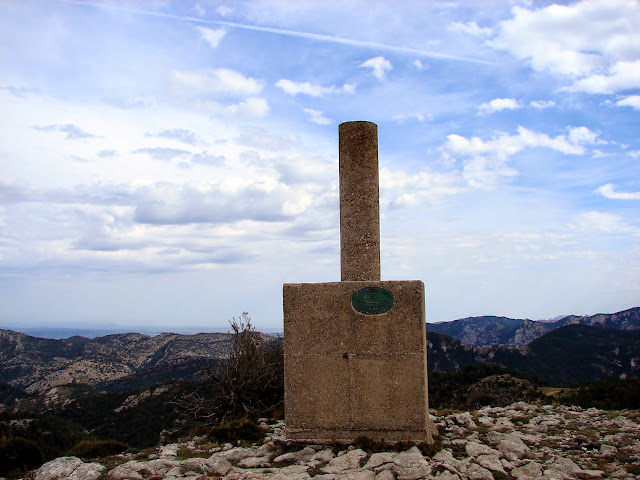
(355, 351)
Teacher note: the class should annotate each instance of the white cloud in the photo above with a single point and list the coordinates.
(316, 116)
(205, 158)
(212, 37)
(622, 76)
(252, 107)
(505, 145)
(219, 81)
(306, 88)
(224, 11)
(72, 131)
(403, 116)
(484, 162)
(171, 204)
(379, 66)
(542, 104)
(608, 191)
(200, 11)
(181, 134)
(262, 140)
(420, 66)
(594, 42)
(583, 136)
(632, 101)
(162, 153)
(497, 105)
(604, 222)
(470, 28)
(399, 189)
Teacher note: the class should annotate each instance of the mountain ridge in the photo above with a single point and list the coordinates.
(569, 354)
(494, 330)
(34, 364)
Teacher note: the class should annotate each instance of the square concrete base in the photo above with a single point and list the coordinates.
(349, 374)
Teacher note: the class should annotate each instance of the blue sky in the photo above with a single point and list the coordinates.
(173, 164)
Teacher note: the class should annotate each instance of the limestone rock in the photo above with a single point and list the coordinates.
(359, 475)
(237, 453)
(68, 468)
(446, 475)
(254, 462)
(565, 465)
(466, 420)
(385, 475)
(531, 470)
(217, 466)
(588, 474)
(476, 472)
(491, 462)
(170, 450)
(300, 456)
(443, 455)
(410, 465)
(348, 461)
(608, 451)
(548, 454)
(323, 456)
(378, 459)
(511, 446)
(474, 449)
(555, 474)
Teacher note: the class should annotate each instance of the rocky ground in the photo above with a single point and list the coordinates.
(519, 442)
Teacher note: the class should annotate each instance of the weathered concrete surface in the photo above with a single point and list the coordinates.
(359, 202)
(348, 374)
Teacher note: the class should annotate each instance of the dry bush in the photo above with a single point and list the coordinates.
(250, 382)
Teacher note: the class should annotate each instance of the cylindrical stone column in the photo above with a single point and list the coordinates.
(359, 204)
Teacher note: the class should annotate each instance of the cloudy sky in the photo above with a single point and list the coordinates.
(173, 163)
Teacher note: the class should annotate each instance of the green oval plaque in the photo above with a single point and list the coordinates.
(372, 300)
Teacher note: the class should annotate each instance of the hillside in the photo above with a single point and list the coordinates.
(493, 331)
(112, 362)
(564, 356)
(579, 353)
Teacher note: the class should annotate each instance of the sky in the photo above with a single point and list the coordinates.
(173, 163)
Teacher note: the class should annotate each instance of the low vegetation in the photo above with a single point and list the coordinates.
(92, 449)
(18, 455)
(479, 385)
(235, 430)
(617, 394)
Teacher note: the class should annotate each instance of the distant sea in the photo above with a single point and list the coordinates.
(66, 332)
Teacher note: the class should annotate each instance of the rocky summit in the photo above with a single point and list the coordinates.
(520, 442)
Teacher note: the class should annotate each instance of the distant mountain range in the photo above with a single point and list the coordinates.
(570, 350)
(565, 356)
(113, 362)
(494, 331)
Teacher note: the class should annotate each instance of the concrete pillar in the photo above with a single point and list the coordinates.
(359, 202)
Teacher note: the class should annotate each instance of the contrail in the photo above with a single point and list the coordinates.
(291, 33)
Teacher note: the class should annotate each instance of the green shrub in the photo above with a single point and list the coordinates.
(230, 431)
(19, 455)
(615, 394)
(97, 448)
